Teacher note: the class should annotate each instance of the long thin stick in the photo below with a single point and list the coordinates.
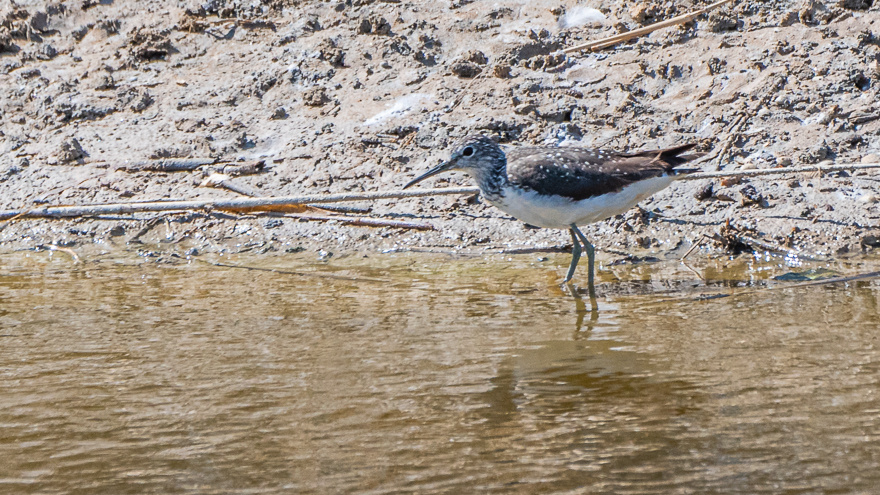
(694, 247)
(779, 171)
(248, 204)
(167, 165)
(619, 38)
(273, 202)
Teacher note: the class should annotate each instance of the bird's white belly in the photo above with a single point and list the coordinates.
(559, 212)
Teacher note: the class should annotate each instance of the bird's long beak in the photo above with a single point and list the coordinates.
(443, 167)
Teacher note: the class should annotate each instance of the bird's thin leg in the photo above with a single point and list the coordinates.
(575, 255)
(591, 259)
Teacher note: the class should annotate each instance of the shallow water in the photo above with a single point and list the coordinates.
(432, 374)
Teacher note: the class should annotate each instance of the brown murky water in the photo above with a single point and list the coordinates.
(433, 375)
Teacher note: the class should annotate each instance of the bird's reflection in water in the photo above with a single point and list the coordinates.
(591, 403)
(582, 311)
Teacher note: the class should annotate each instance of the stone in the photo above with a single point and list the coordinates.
(465, 69)
(70, 151)
(315, 97)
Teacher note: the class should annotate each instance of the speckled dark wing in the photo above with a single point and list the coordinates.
(581, 173)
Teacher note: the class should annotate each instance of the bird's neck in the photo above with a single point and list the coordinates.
(492, 177)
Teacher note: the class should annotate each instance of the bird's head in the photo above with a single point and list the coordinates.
(476, 155)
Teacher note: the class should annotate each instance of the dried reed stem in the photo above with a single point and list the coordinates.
(274, 203)
(619, 38)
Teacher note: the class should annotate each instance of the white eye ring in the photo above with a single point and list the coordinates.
(468, 151)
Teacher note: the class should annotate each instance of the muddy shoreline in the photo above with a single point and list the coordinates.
(362, 96)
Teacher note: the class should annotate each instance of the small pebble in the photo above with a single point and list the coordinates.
(868, 198)
(751, 196)
(11, 170)
(871, 241)
(280, 113)
(273, 223)
(465, 69)
(501, 71)
(705, 192)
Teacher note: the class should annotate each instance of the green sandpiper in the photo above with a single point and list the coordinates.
(563, 187)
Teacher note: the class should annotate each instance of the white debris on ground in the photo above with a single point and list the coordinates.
(581, 16)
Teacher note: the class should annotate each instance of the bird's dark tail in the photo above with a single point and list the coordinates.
(669, 158)
(673, 157)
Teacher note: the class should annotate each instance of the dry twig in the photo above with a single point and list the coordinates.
(167, 165)
(234, 205)
(224, 181)
(780, 171)
(53, 247)
(296, 203)
(696, 245)
(619, 38)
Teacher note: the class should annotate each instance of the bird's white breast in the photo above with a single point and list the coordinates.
(559, 212)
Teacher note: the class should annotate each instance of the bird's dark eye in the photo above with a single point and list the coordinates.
(467, 151)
